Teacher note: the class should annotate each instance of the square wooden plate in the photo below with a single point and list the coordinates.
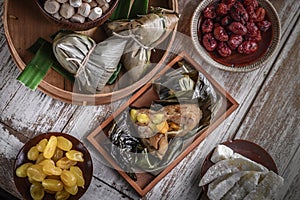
(145, 180)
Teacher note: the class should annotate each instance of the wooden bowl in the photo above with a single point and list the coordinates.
(239, 62)
(23, 185)
(246, 148)
(26, 21)
(66, 24)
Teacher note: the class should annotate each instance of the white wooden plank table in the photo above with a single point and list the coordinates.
(269, 115)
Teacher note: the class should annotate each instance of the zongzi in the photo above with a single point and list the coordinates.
(144, 34)
(91, 64)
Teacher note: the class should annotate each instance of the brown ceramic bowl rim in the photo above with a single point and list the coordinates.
(21, 158)
(261, 61)
(246, 148)
(75, 25)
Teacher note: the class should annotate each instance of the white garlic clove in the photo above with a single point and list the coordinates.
(84, 9)
(75, 3)
(77, 18)
(95, 13)
(67, 11)
(51, 6)
(101, 2)
(62, 1)
(87, 1)
(108, 1)
(105, 7)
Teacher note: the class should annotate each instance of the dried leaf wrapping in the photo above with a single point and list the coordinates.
(145, 33)
(149, 30)
(136, 61)
(199, 91)
(92, 64)
(72, 46)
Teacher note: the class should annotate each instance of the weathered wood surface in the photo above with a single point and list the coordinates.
(268, 115)
(275, 116)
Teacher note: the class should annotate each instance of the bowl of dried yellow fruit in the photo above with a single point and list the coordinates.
(53, 166)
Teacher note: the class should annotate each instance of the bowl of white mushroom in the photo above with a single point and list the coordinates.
(77, 14)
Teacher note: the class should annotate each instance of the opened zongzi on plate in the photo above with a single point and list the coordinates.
(150, 137)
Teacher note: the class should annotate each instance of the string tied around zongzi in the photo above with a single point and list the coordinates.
(133, 37)
(91, 63)
(82, 63)
(145, 33)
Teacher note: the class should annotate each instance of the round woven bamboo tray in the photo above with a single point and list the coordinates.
(24, 24)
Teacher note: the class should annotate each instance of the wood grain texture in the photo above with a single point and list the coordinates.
(99, 190)
(275, 114)
(8, 153)
(36, 113)
(84, 121)
(263, 113)
(8, 86)
(87, 118)
(238, 85)
(163, 190)
(292, 179)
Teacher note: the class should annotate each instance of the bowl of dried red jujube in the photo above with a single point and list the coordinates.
(236, 35)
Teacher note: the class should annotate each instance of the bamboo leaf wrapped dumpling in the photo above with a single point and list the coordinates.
(145, 33)
(150, 30)
(91, 64)
(71, 49)
(136, 61)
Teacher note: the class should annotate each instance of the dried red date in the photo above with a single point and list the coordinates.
(207, 26)
(234, 41)
(252, 3)
(260, 14)
(220, 34)
(225, 21)
(216, 25)
(256, 38)
(239, 13)
(252, 29)
(209, 42)
(223, 49)
(218, 19)
(251, 13)
(229, 3)
(231, 25)
(264, 25)
(222, 9)
(247, 47)
(209, 12)
(237, 28)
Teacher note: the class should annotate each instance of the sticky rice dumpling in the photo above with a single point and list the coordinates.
(91, 64)
(136, 61)
(144, 34)
(150, 30)
(157, 127)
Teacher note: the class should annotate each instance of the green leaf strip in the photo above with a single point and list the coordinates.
(37, 68)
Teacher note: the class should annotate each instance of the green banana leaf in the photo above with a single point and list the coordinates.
(130, 9)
